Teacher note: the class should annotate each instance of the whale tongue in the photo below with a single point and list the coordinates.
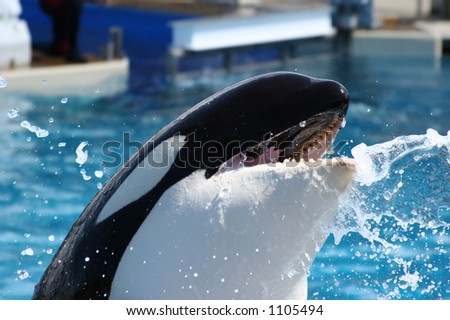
(269, 155)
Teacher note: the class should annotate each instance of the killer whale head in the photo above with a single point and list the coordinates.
(266, 119)
(286, 114)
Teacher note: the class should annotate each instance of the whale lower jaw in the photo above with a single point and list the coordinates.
(250, 233)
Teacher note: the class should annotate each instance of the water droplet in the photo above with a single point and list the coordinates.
(195, 275)
(44, 81)
(99, 185)
(97, 91)
(51, 120)
(98, 173)
(51, 238)
(40, 133)
(81, 155)
(303, 124)
(23, 274)
(64, 100)
(13, 113)
(87, 259)
(27, 252)
(85, 176)
(3, 82)
(61, 144)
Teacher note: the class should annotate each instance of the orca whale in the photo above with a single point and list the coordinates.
(228, 201)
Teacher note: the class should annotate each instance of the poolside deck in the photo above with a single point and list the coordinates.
(93, 79)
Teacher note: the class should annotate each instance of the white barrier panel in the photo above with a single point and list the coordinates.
(234, 31)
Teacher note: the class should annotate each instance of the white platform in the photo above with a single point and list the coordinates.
(438, 29)
(396, 43)
(202, 34)
(15, 39)
(103, 78)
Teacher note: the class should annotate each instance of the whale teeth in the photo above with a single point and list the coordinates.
(318, 144)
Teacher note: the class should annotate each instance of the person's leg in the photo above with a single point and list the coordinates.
(73, 10)
(65, 15)
(53, 9)
(60, 24)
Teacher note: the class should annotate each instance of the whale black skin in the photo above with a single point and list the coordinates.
(242, 115)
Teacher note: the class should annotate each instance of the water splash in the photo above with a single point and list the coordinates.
(399, 210)
(374, 162)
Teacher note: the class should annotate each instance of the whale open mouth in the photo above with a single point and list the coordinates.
(309, 140)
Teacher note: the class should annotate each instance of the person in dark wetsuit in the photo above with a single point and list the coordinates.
(65, 15)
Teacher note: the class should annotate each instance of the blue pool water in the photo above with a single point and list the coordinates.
(390, 239)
